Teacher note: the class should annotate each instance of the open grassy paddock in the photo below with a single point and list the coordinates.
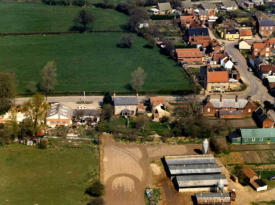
(38, 17)
(53, 176)
(90, 62)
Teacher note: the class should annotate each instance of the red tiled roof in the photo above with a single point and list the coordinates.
(249, 173)
(157, 100)
(188, 53)
(218, 56)
(187, 19)
(267, 68)
(245, 32)
(217, 76)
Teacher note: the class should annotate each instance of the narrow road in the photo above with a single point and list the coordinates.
(255, 87)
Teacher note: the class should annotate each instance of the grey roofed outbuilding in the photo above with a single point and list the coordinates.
(187, 4)
(266, 22)
(213, 198)
(229, 103)
(166, 6)
(201, 180)
(258, 132)
(208, 5)
(194, 169)
(125, 101)
(190, 159)
(60, 110)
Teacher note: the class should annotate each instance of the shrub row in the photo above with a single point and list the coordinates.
(162, 17)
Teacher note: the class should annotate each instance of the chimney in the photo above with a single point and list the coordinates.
(220, 98)
(236, 98)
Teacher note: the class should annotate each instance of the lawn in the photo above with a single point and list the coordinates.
(38, 17)
(90, 62)
(53, 176)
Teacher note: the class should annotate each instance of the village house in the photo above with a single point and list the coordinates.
(20, 116)
(248, 5)
(264, 49)
(245, 33)
(208, 12)
(261, 118)
(198, 36)
(187, 21)
(264, 71)
(266, 27)
(158, 105)
(227, 63)
(59, 115)
(231, 34)
(164, 8)
(269, 81)
(125, 106)
(189, 55)
(229, 5)
(216, 58)
(187, 6)
(217, 81)
(254, 136)
(83, 116)
(254, 180)
(243, 45)
(228, 108)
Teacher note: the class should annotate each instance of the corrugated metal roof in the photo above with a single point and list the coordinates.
(60, 110)
(125, 101)
(266, 22)
(190, 159)
(201, 180)
(194, 169)
(258, 133)
(229, 103)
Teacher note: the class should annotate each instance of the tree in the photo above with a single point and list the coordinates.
(137, 15)
(35, 111)
(267, 106)
(107, 112)
(126, 41)
(168, 48)
(96, 189)
(138, 77)
(48, 75)
(107, 99)
(83, 21)
(12, 126)
(7, 91)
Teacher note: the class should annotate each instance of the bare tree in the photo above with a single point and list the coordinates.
(83, 21)
(48, 75)
(138, 77)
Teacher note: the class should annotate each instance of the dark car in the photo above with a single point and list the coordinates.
(272, 178)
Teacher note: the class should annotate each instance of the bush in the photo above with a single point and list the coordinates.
(43, 144)
(96, 201)
(96, 189)
(126, 42)
(162, 17)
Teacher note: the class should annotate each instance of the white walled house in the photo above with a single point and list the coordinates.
(125, 106)
(59, 115)
(243, 45)
(227, 63)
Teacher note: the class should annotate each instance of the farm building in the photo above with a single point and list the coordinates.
(194, 172)
(254, 136)
(213, 198)
(254, 180)
(59, 115)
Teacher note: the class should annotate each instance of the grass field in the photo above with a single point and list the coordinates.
(90, 62)
(38, 17)
(52, 176)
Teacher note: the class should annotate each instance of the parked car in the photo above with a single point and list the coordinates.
(272, 178)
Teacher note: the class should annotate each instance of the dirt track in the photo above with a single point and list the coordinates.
(126, 169)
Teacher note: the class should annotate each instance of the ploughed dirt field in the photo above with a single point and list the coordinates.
(126, 169)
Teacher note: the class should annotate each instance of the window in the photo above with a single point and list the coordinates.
(208, 109)
(253, 139)
(261, 139)
(249, 110)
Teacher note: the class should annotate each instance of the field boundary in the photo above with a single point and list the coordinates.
(61, 33)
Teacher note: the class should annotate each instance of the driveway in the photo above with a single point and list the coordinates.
(255, 87)
(126, 170)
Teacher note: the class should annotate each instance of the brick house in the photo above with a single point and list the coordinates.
(59, 115)
(262, 120)
(189, 55)
(198, 36)
(125, 106)
(245, 33)
(263, 49)
(264, 71)
(217, 81)
(228, 108)
(187, 21)
(266, 27)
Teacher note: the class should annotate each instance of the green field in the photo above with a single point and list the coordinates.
(38, 17)
(52, 176)
(90, 62)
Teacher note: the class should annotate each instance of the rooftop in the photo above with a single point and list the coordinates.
(125, 101)
(201, 180)
(166, 6)
(188, 52)
(266, 22)
(258, 132)
(232, 31)
(245, 32)
(217, 77)
(60, 110)
(198, 32)
(228, 103)
(249, 173)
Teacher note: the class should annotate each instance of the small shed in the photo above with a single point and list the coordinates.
(213, 198)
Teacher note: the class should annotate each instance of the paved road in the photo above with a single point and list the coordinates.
(100, 98)
(255, 87)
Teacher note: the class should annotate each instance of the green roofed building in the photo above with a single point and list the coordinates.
(255, 136)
